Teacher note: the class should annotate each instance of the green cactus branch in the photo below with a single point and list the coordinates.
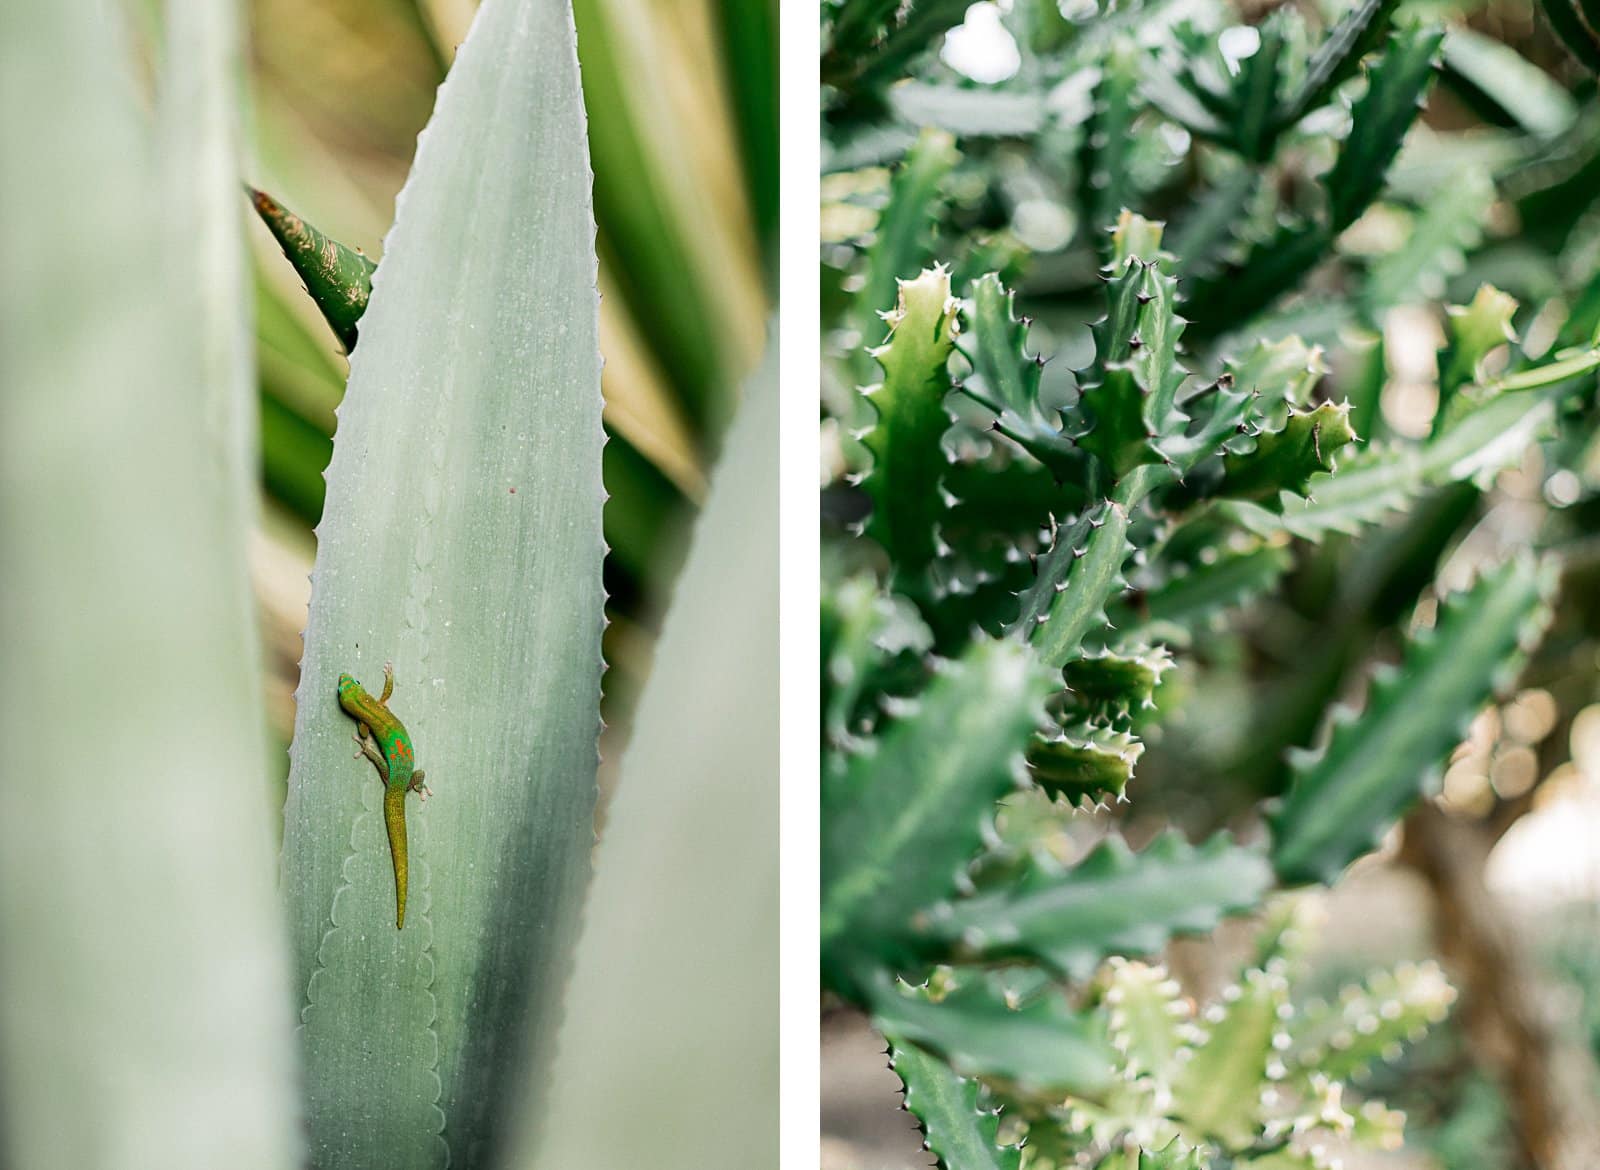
(915, 809)
(908, 459)
(1286, 460)
(955, 1129)
(1218, 1089)
(1336, 59)
(1078, 575)
(1114, 902)
(1030, 1040)
(1379, 120)
(1084, 764)
(1190, 597)
(1396, 84)
(903, 239)
(1344, 796)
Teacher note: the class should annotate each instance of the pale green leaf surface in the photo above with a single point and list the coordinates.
(146, 1015)
(461, 540)
(673, 1007)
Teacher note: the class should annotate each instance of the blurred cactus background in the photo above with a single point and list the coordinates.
(1209, 517)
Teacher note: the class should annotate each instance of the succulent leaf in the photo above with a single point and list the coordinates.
(906, 440)
(1035, 1042)
(956, 1130)
(1113, 902)
(1376, 763)
(921, 800)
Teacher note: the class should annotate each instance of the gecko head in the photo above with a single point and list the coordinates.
(347, 684)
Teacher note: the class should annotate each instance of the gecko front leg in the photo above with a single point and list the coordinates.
(369, 748)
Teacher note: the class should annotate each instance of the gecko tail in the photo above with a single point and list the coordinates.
(394, 819)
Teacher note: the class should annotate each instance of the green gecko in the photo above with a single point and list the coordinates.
(392, 754)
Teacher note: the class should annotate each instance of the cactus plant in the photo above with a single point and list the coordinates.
(1096, 463)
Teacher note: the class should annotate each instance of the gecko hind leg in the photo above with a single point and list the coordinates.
(369, 748)
(417, 786)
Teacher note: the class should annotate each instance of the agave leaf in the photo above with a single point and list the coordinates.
(461, 540)
(669, 199)
(1375, 764)
(924, 801)
(955, 1130)
(145, 1020)
(1113, 902)
(671, 951)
